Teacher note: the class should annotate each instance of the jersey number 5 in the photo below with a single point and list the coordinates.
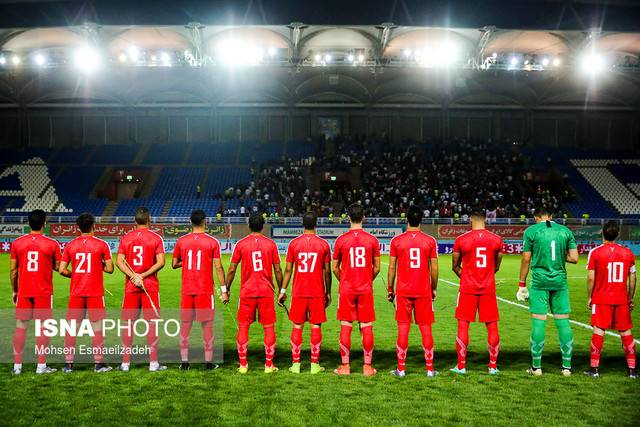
(481, 257)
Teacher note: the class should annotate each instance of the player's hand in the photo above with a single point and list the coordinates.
(589, 303)
(391, 296)
(14, 298)
(631, 305)
(434, 294)
(523, 294)
(136, 279)
(327, 300)
(282, 298)
(225, 298)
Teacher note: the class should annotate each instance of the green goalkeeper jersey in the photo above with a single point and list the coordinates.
(548, 243)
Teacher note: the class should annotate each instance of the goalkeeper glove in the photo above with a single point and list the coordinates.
(523, 292)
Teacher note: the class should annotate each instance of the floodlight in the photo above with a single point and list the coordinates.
(327, 58)
(272, 51)
(545, 62)
(514, 61)
(3, 60)
(40, 60)
(122, 57)
(15, 60)
(165, 58)
(556, 62)
(593, 63)
(87, 59)
(134, 53)
(407, 52)
(350, 58)
(361, 58)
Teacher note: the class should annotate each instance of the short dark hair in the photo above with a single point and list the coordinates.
(198, 217)
(143, 215)
(414, 216)
(309, 220)
(610, 231)
(541, 211)
(37, 218)
(256, 223)
(85, 222)
(478, 213)
(356, 213)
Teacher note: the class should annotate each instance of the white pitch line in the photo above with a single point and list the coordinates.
(575, 322)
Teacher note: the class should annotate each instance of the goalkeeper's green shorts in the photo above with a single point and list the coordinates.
(544, 301)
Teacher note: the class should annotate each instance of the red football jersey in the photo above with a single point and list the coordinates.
(612, 264)
(140, 248)
(413, 251)
(479, 249)
(308, 253)
(257, 254)
(197, 252)
(36, 255)
(356, 249)
(86, 254)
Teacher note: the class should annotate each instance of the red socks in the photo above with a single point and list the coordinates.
(596, 349)
(242, 342)
(127, 341)
(316, 343)
(185, 331)
(19, 337)
(98, 345)
(629, 347)
(462, 341)
(269, 345)
(345, 343)
(427, 346)
(207, 338)
(402, 345)
(296, 343)
(152, 342)
(42, 342)
(367, 343)
(493, 342)
(69, 346)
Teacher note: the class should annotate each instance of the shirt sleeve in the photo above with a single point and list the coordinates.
(65, 254)
(122, 247)
(337, 249)
(632, 264)
(14, 251)
(106, 252)
(176, 250)
(57, 252)
(456, 245)
(289, 253)
(159, 246)
(527, 243)
(236, 255)
(216, 250)
(327, 253)
(392, 248)
(500, 244)
(591, 260)
(571, 244)
(376, 248)
(434, 249)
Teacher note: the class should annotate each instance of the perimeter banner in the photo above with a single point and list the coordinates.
(217, 230)
(332, 232)
(101, 230)
(511, 232)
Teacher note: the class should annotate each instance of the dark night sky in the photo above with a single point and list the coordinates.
(623, 15)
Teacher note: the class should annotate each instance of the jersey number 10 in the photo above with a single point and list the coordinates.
(615, 272)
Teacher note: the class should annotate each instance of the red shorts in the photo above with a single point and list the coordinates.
(28, 308)
(135, 301)
(79, 307)
(486, 305)
(307, 309)
(265, 307)
(356, 307)
(421, 308)
(605, 316)
(197, 307)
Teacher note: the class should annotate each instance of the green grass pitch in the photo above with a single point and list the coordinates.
(225, 397)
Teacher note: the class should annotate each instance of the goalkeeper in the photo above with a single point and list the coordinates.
(547, 246)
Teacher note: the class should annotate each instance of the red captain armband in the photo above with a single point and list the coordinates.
(522, 284)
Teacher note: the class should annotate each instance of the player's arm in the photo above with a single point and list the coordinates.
(327, 283)
(288, 272)
(456, 263)
(231, 275)
(433, 270)
(132, 275)
(64, 269)
(525, 263)
(376, 266)
(631, 288)
(572, 256)
(107, 266)
(335, 267)
(591, 280)
(391, 278)
(277, 271)
(217, 265)
(159, 265)
(176, 262)
(13, 278)
(498, 261)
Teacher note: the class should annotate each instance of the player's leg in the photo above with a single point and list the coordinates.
(75, 312)
(366, 316)
(597, 340)
(297, 315)
(466, 309)
(246, 316)
(24, 313)
(43, 307)
(267, 317)
(622, 323)
(96, 311)
(560, 307)
(538, 306)
(346, 314)
(187, 307)
(404, 309)
(205, 313)
(152, 336)
(424, 317)
(489, 315)
(317, 316)
(131, 305)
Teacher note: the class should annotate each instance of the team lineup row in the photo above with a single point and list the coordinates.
(412, 287)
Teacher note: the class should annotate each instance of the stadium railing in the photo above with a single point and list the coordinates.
(321, 221)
